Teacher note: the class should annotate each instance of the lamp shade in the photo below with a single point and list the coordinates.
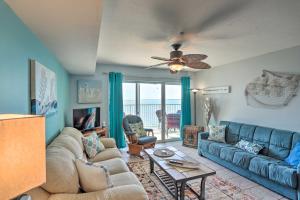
(194, 90)
(22, 148)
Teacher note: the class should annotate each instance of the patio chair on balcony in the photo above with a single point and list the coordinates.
(173, 121)
(159, 117)
(137, 143)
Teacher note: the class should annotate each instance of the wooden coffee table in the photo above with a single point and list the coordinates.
(175, 178)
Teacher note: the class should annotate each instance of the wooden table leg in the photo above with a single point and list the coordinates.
(182, 189)
(202, 189)
(176, 190)
(151, 165)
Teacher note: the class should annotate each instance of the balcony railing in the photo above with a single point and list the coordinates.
(148, 112)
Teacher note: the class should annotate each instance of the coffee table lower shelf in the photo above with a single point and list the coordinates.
(177, 189)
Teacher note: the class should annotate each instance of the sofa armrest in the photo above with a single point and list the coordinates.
(132, 192)
(298, 189)
(203, 135)
(108, 142)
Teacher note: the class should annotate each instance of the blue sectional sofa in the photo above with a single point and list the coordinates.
(267, 168)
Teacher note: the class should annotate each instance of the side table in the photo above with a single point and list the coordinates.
(190, 135)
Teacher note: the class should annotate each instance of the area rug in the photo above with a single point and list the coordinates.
(216, 187)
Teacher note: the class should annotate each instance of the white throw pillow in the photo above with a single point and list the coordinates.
(92, 177)
(217, 133)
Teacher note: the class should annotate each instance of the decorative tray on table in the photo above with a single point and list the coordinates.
(183, 163)
(164, 152)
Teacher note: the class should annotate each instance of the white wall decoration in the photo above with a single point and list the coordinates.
(272, 89)
(43, 89)
(89, 91)
(216, 90)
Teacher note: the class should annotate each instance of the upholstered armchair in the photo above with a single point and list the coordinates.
(137, 143)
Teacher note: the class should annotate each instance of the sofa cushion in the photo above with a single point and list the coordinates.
(280, 144)
(73, 132)
(204, 144)
(125, 178)
(114, 166)
(260, 165)
(242, 159)
(246, 132)
(93, 177)
(108, 142)
(227, 153)
(296, 139)
(108, 153)
(146, 139)
(70, 143)
(215, 148)
(262, 136)
(232, 133)
(128, 192)
(61, 172)
(283, 174)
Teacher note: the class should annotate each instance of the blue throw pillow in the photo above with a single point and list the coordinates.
(294, 157)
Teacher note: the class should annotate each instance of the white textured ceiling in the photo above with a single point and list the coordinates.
(69, 28)
(133, 30)
(227, 30)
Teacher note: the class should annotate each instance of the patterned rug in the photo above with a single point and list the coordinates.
(216, 187)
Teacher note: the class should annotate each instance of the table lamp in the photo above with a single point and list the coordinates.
(23, 149)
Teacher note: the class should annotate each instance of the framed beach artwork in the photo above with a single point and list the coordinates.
(43, 89)
(89, 91)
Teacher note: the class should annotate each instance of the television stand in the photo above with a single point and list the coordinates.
(101, 132)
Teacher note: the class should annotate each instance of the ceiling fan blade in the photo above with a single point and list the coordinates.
(192, 58)
(218, 16)
(153, 66)
(160, 58)
(166, 18)
(198, 65)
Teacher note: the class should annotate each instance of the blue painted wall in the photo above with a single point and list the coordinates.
(17, 45)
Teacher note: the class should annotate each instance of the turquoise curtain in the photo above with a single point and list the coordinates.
(185, 104)
(116, 109)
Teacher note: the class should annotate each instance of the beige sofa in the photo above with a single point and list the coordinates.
(62, 177)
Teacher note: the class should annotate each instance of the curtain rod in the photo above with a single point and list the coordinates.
(170, 78)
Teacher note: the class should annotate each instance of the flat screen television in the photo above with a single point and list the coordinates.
(86, 118)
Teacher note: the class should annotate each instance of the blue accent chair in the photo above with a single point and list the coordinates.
(267, 168)
(137, 144)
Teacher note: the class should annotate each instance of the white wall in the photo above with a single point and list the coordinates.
(101, 73)
(233, 106)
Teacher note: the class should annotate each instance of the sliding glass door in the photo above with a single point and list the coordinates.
(158, 104)
(150, 107)
(173, 111)
(129, 98)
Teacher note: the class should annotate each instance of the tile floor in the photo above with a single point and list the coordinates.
(248, 186)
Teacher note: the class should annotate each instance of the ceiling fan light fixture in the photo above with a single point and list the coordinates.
(176, 66)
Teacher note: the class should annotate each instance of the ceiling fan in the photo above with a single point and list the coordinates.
(177, 60)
